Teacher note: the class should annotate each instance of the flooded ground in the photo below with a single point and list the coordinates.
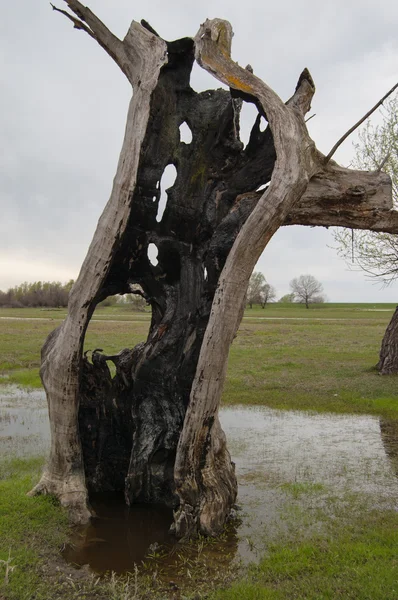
(24, 427)
(293, 469)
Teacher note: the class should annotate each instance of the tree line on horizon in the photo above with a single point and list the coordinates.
(39, 294)
(54, 294)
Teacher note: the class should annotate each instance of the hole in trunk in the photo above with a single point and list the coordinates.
(167, 181)
(205, 274)
(185, 133)
(202, 81)
(263, 124)
(153, 254)
(262, 187)
(248, 115)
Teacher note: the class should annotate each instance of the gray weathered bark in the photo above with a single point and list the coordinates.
(62, 353)
(153, 429)
(388, 360)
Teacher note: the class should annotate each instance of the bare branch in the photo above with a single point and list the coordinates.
(87, 21)
(311, 117)
(354, 127)
(339, 197)
(347, 198)
(76, 22)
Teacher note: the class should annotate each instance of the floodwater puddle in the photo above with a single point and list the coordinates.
(24, 427)
(119, 537)
(292, 469)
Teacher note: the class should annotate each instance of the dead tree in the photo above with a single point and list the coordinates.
(153, 430)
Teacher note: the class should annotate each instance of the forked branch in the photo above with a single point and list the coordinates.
(87, 21)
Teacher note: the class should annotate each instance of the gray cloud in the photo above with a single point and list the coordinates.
(64, 104)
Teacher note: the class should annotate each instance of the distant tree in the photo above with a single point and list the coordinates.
(259, 291)
(307, 290)
(109, 301)
(48, 294)
(268, 294)
(287, 298)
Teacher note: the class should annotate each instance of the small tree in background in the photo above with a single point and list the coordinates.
(286, 298)
(259, 291)
(375, 253)
(307, 290)
(268, 294)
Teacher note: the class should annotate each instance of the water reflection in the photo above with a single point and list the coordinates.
(118, 537)
(24, 427)
(389, 436)
(291, 446)
(121, 537)
(285, 461)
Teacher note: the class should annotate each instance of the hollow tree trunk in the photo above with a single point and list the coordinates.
(388, 361)
(153, 430)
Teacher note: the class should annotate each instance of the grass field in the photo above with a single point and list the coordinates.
(321, 359)
(284, 356)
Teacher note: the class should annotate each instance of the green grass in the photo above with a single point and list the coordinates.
(358, 562)
(284, 356)
(21, 341)
(311, 365)
(31, 529)
(354, 558)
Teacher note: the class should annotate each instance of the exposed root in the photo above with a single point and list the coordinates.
(70, 494)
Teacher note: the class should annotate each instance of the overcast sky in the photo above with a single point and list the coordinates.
(64, 103)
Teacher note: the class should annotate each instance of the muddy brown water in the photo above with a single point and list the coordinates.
(291, 468)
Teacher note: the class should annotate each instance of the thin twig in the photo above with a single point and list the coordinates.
(311, 117)
(87, 21)
(78, 24)
(354, 127)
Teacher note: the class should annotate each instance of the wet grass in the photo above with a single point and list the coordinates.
(355, 562)
(284, 356)
(32, 535)
(31, 529)
(351, 557)
(311, 365)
